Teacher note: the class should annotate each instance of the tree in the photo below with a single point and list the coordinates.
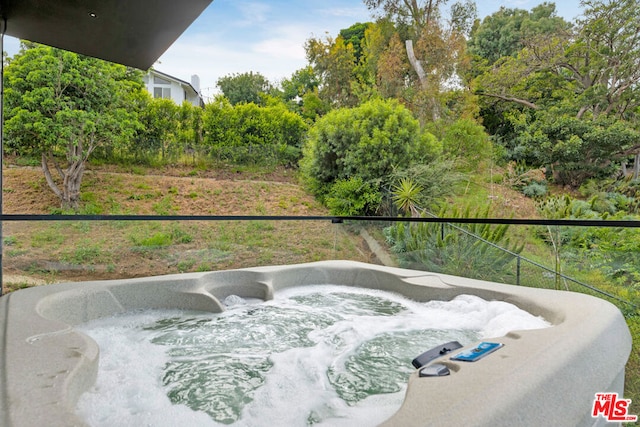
(434, 48)
(334, 61)
(575, 150)
(244, 87)
(505, 32)
(589, 73)
(302, 81)
(599, 61)
(294, 89)
(61, 106)
(393, 70)
(413, 14)
(604, 63)
(354, 35)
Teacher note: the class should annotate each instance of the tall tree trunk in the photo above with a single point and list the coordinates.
(422, 76)
(69, 194)
(71, 184)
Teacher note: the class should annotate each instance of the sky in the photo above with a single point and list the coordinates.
(268, 37)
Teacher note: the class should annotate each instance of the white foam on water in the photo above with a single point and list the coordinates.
(297, 390)
(128, 390)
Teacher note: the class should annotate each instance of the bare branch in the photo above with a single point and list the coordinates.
(524, 102)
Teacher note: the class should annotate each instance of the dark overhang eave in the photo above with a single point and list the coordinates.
(130, 32)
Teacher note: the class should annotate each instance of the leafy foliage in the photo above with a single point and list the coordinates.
(354, 35)
(505, 32)
(334, 61)
(244, 87)
(298, 91)
(417, 56)
(353, 197)
(368, 142)
(568, 93)
(160, 118)
(574, 150)
(455, 250)
(534, 190)
(464, 141)
(246, 132)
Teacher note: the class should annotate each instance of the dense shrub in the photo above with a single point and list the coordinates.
(353, 197)
(574, 150)
(248, 133)
(466, 141)
(159, 118)
(534, 190)
(368, 142)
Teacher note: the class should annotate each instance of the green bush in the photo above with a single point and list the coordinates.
(534, 190)
(573, 149)
(353, 197)
(466, 141)
(251, 134)
(368, 142)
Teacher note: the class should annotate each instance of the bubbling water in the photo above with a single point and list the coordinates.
(315, 355)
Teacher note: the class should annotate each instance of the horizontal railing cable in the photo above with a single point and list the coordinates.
(522, 258)
(497, 221)
(342, 219)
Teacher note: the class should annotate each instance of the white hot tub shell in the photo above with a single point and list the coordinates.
(540, 377)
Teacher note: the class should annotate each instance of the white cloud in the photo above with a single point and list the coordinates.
(345, 12)
(251, 13)
(271, 40)
(281, 48)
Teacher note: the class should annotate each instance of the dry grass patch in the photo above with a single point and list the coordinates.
(83, 250)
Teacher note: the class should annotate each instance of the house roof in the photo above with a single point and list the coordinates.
(175, 79)
(181, 82)
(130, 32)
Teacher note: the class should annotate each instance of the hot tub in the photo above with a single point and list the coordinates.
(539, 377)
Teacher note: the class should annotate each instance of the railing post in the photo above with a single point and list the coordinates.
(518, 270)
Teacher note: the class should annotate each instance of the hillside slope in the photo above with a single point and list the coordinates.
(59, 251)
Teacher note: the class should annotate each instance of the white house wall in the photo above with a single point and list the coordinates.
(178, 91)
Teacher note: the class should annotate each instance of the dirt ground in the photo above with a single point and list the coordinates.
(206, 192)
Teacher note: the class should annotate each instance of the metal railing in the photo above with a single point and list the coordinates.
(51, 228)
(519, 258)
